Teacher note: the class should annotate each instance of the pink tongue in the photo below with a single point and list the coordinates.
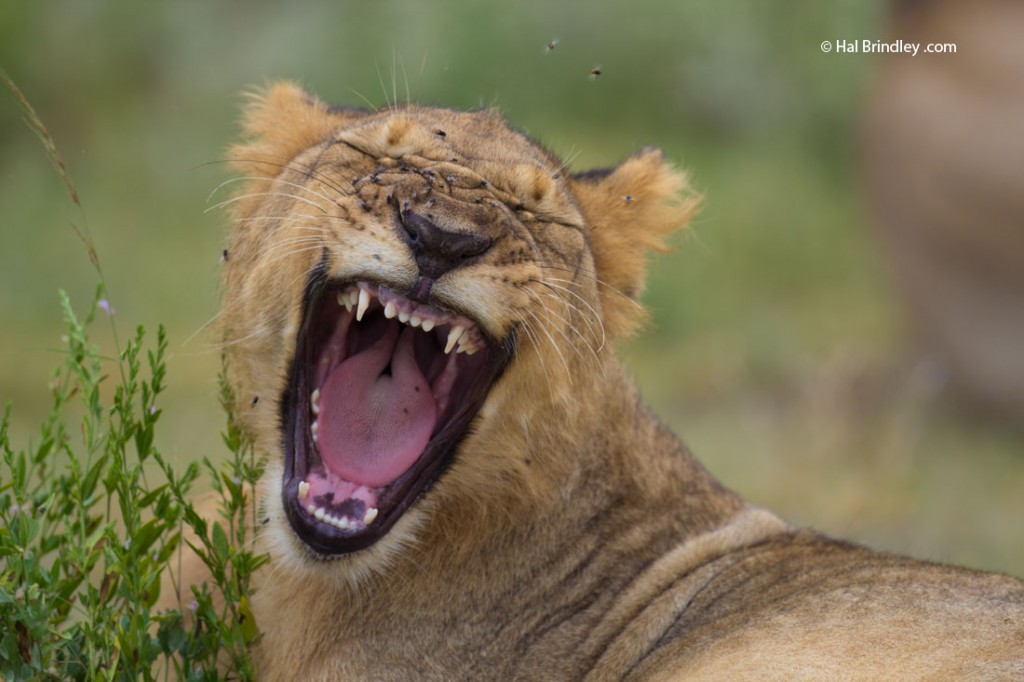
(373, 427)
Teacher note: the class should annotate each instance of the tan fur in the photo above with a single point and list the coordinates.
(573, 536)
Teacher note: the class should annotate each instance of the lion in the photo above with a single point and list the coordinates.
(420, 311)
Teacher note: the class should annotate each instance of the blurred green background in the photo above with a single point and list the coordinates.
(778, 349)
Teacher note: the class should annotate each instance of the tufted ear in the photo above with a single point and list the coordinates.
(630, 210)
(279, 122)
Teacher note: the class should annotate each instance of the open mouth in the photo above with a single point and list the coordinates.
(382, 391)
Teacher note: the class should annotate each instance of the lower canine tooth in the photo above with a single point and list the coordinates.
(343, 301)
(453, 336)
(370, 515)
(303, 490)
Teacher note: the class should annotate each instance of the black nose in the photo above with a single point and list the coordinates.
(438, 250)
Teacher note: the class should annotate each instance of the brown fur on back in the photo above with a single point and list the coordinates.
(573, 536)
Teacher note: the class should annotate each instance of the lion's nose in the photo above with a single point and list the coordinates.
(438, 250)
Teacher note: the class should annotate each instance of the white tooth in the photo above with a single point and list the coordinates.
(311, 508)
(427, 325)
(303, 490)
(403, 317)
(415, 320)
(343, 300)
(370, 515)
(314, 401)
(343, 522)
(390, 310)
(364, 303)
(319, 513)
(472, 349)
(314, 427)
(333, 520)
(453, 336)
(315, 438)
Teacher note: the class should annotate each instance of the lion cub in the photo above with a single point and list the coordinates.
(463, 481)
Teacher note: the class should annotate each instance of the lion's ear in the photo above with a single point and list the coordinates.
(279, 122)
(630, 210)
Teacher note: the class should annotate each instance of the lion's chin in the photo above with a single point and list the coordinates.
(291, 556)
(383, 389)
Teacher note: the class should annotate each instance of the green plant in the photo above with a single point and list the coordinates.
(91, 519)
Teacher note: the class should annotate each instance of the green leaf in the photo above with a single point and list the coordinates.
(147, 534)
(220, 540)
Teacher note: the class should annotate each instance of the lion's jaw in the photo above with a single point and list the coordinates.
(411, 295)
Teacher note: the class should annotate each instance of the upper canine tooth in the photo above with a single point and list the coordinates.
(390, 310)
(453, 336)
(427, 325)
(364, 303)
(403, 316)
(415, 320)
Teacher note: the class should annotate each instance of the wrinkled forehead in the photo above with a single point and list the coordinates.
(463, 150)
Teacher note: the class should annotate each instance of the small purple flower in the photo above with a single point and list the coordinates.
(193, 605)
(105, 305)
(152, 409)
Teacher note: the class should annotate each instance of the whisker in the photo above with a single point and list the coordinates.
(555, 266)
(245, 178)
(232, 200)
(568, 324)
(304, 170)
(288, 254)
(586, 341)
(364, 98)
(530, 332)
(256, 333)
(589, 319)
(201, 328)
(383, 88)
(554, 345)
(291, 217)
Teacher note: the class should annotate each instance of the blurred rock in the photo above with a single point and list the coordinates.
(945, 171)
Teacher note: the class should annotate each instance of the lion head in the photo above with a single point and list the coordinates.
(416, 304)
